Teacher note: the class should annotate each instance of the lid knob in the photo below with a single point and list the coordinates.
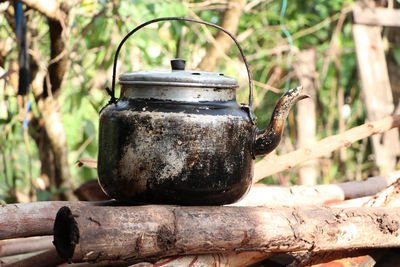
(178, 64)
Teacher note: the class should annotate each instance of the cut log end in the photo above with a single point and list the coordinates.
(66, 233)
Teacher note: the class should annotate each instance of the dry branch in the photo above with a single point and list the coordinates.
(25, 245)
(48, 258)
(271, 165)
(95, 233)
(230, 22)
(218, 259)
(32, 219)
(50, 8)
(389, 196)
(261, 195)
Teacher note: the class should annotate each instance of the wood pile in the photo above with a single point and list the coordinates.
(353, 224)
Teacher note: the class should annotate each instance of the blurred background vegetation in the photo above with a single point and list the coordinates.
(271, 32)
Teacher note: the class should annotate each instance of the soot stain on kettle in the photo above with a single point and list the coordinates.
(180, 157)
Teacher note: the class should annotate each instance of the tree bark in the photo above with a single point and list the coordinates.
(271, 165)
(33, 219)
(388, 197)
(145, 232)
(230, 22)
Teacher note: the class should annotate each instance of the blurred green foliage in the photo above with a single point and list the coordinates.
(92, 43)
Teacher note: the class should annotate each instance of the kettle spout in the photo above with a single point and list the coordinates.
(268, 139)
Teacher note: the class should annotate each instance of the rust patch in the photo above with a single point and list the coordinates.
(165, 238)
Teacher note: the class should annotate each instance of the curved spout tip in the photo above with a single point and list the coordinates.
(286, 102)
(268, 139)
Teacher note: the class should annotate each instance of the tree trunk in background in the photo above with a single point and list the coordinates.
(46, 86)
(306, 114)
(55, 132)
(393, 36)
(230, 22)
(377, 91)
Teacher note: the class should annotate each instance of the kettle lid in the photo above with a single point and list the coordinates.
(179, 77)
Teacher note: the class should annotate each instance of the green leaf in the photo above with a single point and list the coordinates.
(396, 54)
(43, 195)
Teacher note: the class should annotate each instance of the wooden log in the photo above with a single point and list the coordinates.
(96, 233)
(267, 195)
(356, 202)
(272, 165)
(35, 219)
(32, 219)
(389, 197)
(90, 191)
(218, 259)
(48, 258)
(25, 245)
(376, 16)
(357, 258)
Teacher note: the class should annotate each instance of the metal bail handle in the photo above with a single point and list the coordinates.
(112, 91)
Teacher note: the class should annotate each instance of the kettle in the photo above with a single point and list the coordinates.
(179, 137)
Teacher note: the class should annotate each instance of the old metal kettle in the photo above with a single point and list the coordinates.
(179, 137)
